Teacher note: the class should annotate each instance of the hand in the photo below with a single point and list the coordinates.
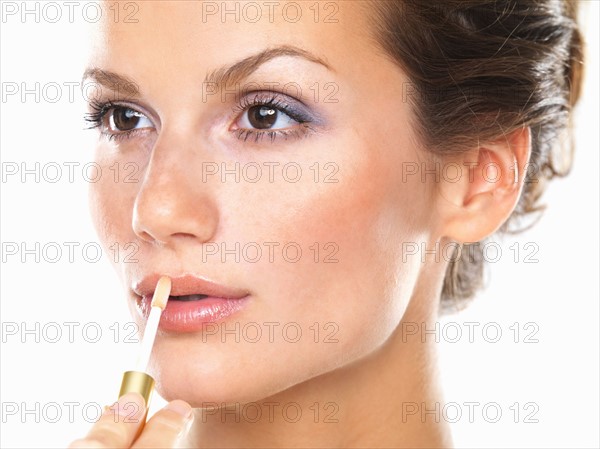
(119, 424)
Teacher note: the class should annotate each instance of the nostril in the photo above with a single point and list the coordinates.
(145, 236)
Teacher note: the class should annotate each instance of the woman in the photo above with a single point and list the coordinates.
(322, 176)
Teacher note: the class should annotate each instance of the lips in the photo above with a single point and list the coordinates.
(188, 297)
(194, 302)
(188, 285)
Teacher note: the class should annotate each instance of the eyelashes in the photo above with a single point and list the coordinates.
(95, 118)
(257, 116)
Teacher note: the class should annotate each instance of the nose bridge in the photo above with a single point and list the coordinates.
(171, 202)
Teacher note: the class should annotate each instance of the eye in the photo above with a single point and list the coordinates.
(122, 119)
(264, 117)
(117, 121)
(272, 115)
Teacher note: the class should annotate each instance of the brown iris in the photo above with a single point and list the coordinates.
(262, 117)
(125, 119)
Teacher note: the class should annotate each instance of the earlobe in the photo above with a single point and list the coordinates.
(489, 190)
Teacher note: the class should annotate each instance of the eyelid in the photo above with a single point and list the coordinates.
(291, 106)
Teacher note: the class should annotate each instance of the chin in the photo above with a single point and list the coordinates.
(205, 375)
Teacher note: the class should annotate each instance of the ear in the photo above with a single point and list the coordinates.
(486, 193)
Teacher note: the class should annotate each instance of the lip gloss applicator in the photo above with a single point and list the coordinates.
(138, 380)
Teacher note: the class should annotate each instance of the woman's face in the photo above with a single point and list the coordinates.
(288, 185)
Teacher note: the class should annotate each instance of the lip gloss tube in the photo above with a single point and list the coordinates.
(138, 380)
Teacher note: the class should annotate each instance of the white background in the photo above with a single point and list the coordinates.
(558, 374)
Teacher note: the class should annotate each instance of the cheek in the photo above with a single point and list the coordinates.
(347, 298)
(112, 196)
(365, 218)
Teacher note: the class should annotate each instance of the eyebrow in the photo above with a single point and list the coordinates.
(222, 76)
(112, 81)
(243, 69)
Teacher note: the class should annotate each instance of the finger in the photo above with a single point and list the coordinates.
(166, 427)
(117, 426)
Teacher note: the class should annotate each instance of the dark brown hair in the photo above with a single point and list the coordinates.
(482, 69)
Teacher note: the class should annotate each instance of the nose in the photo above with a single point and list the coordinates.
(172, 203)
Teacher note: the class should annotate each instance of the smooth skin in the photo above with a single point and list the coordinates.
(361, 382)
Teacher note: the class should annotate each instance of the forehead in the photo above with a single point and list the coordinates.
(185, 32)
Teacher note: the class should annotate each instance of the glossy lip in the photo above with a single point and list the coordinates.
(190, 316)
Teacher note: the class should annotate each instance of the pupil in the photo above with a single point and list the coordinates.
(262, 117)
(125, 119)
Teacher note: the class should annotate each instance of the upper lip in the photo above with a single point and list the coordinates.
(188, 284)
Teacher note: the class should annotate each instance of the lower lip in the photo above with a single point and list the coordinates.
(193, 316)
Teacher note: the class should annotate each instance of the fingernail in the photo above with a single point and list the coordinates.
(181, 408)
(132, 406)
